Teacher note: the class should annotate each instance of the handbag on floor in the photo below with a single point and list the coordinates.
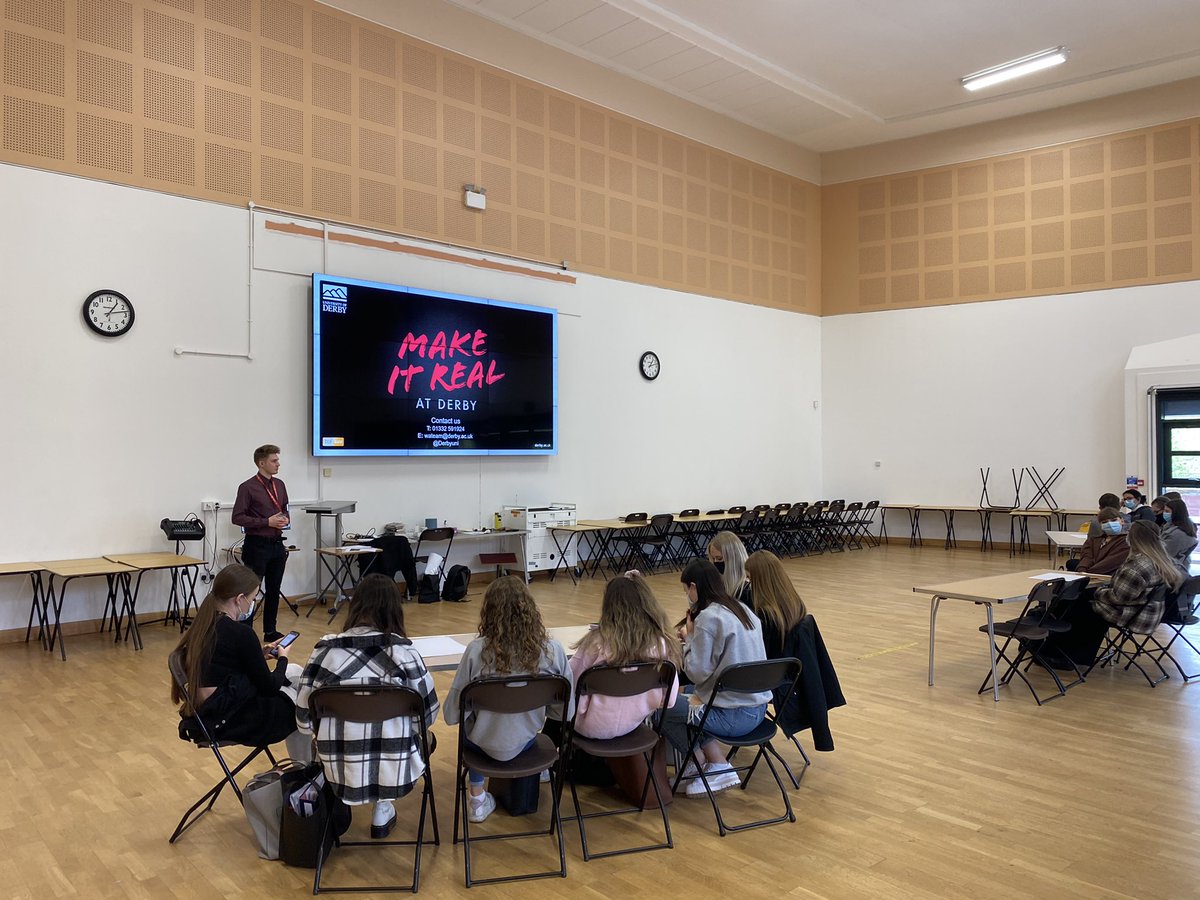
(630, 773)
(262, 801)
(312, 816)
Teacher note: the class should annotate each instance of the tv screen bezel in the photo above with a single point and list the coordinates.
(317, 450)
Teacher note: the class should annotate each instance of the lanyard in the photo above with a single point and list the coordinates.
(272, 491)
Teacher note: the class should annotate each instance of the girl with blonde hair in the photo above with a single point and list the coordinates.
(633, 628)
(727, 552)
(775, 600)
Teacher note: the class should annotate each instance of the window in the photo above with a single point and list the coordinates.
(1177, 415)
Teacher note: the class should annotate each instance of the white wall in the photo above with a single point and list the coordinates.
(934, 394)
(105, 437)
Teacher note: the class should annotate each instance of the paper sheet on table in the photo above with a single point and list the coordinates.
(1065, 576)
(439, 645)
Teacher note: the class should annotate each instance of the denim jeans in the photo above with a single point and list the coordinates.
(732, 721)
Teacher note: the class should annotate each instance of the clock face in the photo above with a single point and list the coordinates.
(108, 313)
(649, 365)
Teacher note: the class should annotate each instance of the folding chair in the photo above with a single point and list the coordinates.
(747, 678)
(514, 694)
(374, 704)
(622, 681)
(1133, 646)
(432, 536)
(656, 536)
(205, 738)
(1030, 631)
(1181, 612)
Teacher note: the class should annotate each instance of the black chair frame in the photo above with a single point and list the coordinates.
(1119, 639)
(622, 681)
(511, 694)
(370, 703)
(1031, 630)
(747, 678)
(175, 664)
(432, 536)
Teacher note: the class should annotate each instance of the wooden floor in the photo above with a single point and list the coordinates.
(932, 791)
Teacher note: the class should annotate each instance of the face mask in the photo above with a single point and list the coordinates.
(1130, 504)
(1113, 528)
(1166, 516)
(720, 566)
(248, 614)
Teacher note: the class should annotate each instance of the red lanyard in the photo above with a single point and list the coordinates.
(272, 491)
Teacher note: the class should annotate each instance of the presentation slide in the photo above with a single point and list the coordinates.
(401, 371)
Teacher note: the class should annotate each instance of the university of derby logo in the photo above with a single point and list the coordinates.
(333, 298)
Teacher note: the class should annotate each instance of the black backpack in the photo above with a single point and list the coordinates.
(427, 589)
(458, 579)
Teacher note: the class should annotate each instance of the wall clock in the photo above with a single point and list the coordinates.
(108, 313)
(649, 365)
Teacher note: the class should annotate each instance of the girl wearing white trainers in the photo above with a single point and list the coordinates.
(718, 632)
(512, 641)
(381, 761)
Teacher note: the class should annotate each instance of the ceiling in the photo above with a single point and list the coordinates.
(829, 75)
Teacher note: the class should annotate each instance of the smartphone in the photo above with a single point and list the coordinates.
(287, 639)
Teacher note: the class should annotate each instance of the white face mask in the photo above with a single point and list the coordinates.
(248, 614)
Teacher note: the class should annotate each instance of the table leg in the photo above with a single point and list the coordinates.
(521, 538)
(561, 562)
(130, 603)
(55, 604)
(991, 633)
(38, 607)
(933, 611)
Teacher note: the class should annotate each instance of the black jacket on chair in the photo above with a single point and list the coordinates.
(396, 556)
(818, 690)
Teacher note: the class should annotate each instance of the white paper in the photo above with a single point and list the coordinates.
(438, 645)
(1065, 576)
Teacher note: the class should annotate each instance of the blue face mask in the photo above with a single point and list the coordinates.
(1166, 514)
(1113, 528)
(248, 614)
(1131, 504)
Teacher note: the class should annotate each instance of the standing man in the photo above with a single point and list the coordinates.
(261, 508)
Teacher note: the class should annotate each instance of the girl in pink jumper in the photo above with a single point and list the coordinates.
(633, 628)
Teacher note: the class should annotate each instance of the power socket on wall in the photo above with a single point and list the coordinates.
(209, 505)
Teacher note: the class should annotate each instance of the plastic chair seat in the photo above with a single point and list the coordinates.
(641, 740)
(541, 756)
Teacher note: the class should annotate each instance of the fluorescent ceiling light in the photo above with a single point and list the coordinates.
(1035, 62)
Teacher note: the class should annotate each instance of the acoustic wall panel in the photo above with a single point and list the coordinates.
(298, 106)
(1105, 212)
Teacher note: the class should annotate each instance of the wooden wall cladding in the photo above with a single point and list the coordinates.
(1109, 212)
(302, 108)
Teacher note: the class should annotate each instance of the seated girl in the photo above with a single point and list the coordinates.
(633, 628)
(512, 641)
(727, 552)
(1125, 601)
(718, 632)
(1103, 553)
(381, 761)
(1179, 535)
(239, 697)
(776, 602)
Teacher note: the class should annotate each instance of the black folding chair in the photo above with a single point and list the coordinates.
(432, 536)
(747, 678)
(373, 704)
(622, 681)
(648, 547)
(1030, 631)
(199, 734)
(1181, 613)
(514, 694)
(1123, 643)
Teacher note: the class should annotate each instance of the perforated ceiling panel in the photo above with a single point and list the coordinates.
(297, 106)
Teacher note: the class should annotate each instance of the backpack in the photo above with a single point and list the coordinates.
(427, 589)
(457, 581)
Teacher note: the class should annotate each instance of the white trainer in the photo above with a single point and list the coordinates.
(691, 775)
(481, 807)
(721, 777)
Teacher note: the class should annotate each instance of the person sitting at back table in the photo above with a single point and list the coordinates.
(1108, 501)
(512, 641)
(727, 552)
(1135, 501)
(776, 603)
(1125, 601)
(239, 697)
(375, 762)
(1179, 535)
(1159, 504)
(1103, 554)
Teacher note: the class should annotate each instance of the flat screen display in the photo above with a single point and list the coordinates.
(402, 371)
